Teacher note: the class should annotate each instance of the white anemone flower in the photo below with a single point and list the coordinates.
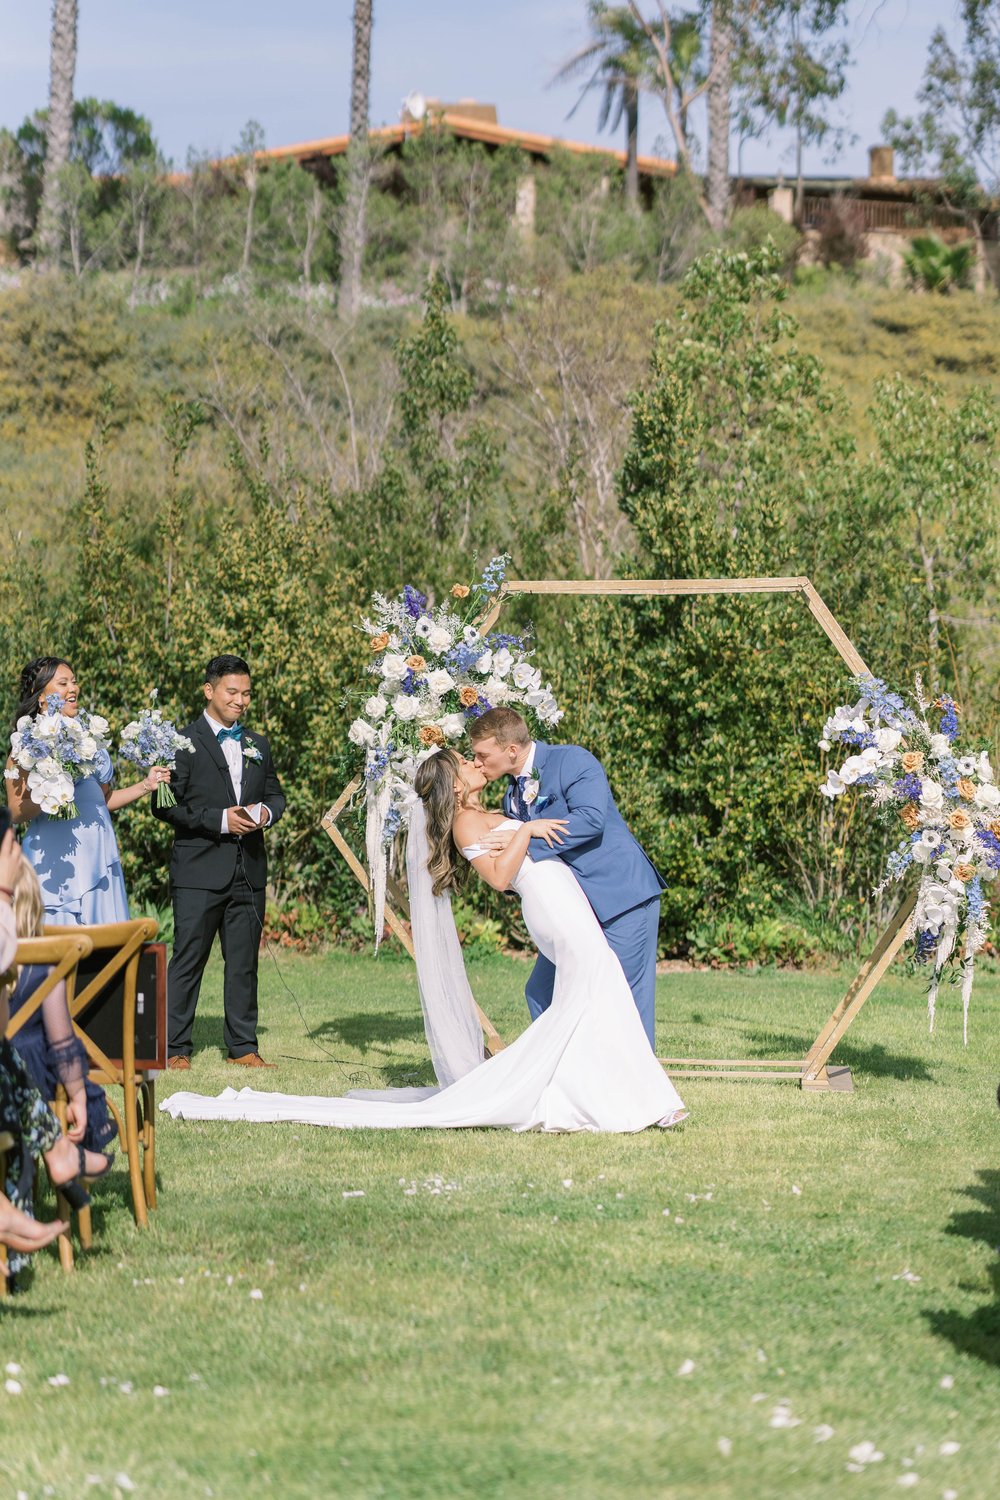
(423, 627)
(966, 765)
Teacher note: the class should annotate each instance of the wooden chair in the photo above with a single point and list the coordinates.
(116, 949)
(60, 951)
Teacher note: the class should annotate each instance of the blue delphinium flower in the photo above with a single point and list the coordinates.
(414, 601)
(991, 845)
(976, 899)
(907, 788)
(494, 574)
(925, 946)
(949, 718)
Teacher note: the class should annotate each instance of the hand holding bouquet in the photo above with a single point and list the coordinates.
(151, 740)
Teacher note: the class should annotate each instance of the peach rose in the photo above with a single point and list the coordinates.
(379, 642)
(911, 816)
(432, 734)
(963, 872)
(966, 789)
(994, 827)
(416, 663)
(468, 697)
(959, 820)
(912, 761)
(460, 591)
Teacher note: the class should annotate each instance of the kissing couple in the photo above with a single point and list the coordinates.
(590, 900)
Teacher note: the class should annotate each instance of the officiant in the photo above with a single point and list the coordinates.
(228, 796)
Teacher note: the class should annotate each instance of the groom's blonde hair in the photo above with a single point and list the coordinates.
(504, 725)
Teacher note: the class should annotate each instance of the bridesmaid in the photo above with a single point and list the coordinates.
(76, 859)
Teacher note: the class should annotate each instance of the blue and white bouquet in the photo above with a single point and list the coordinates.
(912, 768)
(57, 750)
(435, 672)
(151, 740)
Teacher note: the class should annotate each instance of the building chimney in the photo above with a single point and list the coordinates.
(881, 166)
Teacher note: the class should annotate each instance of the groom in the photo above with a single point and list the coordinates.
(618, 878)
(227, 794)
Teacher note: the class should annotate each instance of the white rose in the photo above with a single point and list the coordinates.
(48, 728)
(887, 739)
(438, 639)
(440, 682)
(100, 726)
(526, 676)
(394, 667)
(931, 794)
(361, 733)
(88, 747)
(23, 722)
(502, 662)
(130, 731)
(940, 745)
(406, 707)
(485, 663)
(984, 768)
(988, 795)
(453, 725)
(375, 706)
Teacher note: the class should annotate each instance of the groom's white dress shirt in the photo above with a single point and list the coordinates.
(233, 751)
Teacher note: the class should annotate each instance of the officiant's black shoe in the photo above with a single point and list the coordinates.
(250, 1060)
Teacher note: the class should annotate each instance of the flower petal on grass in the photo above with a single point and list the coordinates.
(687, 1368)
(725, 1446)
(12, 1387)
(823, 1433)
(948, 1449)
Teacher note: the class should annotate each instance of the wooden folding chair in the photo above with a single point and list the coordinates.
(60, 951)
(120, 944)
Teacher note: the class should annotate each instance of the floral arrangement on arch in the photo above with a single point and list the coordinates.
(435, 673)
(909, 763)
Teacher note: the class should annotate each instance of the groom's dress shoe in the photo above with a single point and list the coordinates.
(179, 1063)
(250, 1060)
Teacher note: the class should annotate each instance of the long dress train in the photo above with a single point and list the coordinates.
(585, 1064)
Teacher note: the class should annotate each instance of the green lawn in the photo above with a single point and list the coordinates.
(480, 1314)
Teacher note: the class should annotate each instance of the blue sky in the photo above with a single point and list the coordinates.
(201, 70)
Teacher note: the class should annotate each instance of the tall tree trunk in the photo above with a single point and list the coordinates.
(720, 75)
(632, 145)
(353, 240)
(59, 132)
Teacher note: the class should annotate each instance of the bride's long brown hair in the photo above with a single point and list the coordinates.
(434, 784)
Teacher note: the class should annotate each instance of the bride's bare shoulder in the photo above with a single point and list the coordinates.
(467, 827)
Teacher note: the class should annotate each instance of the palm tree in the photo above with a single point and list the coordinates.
(353, 239)
(59, 129)
(617, 59)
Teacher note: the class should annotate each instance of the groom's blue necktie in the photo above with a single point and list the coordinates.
(518, 806)
(235, 733)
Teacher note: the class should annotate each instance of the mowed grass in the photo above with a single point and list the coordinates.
(520, 1316)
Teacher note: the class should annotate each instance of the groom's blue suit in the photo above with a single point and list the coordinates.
(617, 877)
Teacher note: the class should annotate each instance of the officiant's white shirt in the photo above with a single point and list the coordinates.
(233, 751)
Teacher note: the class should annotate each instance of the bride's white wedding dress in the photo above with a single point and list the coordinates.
(585, 1064)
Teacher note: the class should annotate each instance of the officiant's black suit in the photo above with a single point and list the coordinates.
(217, 883)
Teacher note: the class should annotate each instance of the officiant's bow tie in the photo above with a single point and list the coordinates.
(235, 733)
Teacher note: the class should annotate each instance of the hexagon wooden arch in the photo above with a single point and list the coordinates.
(814, 1071)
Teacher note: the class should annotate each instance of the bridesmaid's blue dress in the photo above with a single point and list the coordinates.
(77, 861)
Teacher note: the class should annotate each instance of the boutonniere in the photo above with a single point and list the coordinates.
(251, 752)
(531, 789)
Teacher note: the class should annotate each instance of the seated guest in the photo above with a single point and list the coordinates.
(48, 1046)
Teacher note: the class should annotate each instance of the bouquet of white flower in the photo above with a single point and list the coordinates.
(151, 740)
(436, 673)
(949, 804)
(57, 750)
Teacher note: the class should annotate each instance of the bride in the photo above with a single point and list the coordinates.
(584, 1064)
